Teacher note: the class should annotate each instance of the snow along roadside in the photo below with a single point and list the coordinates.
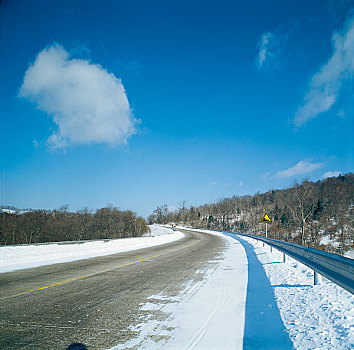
(316, 317)
(14, 258)
(206, 315)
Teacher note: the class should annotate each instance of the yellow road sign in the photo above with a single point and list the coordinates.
(266, 218)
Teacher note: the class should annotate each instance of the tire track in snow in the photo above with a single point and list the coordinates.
(202, 331)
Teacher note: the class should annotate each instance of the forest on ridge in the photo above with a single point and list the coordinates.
(317, 214)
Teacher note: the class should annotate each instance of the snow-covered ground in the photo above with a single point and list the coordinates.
(27, 256)
(316, 317)
(326, 240)
(349, 254)
(313, 317)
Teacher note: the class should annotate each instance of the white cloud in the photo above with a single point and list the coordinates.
(87, 104)
(327, 82)
(302, 167)
(240, 183)
(213, 183)
(265, 52)
(330, 174)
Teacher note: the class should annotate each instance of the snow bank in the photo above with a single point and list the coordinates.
(158, 230)
(205, 315)
(316, 317)
(349, 254)
(27, 256)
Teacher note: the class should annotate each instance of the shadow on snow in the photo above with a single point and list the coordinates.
(264, 328)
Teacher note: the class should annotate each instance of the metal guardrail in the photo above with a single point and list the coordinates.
(336, 268)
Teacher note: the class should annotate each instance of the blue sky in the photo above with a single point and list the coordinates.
(139, 103)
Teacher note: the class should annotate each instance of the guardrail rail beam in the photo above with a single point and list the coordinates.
(336, 268)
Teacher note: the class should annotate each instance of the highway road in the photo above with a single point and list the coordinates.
(94, 301)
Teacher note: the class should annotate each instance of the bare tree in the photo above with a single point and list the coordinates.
(183, 207)
(301, 205)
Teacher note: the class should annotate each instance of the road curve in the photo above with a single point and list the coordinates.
(94, 301)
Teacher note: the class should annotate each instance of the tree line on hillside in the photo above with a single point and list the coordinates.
(61, 225)
(316, 214)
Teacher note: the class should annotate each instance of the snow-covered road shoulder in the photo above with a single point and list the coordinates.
(214, 317)
(28, 256)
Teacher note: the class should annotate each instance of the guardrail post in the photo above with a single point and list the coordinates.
(317, 278)
(336, 268)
